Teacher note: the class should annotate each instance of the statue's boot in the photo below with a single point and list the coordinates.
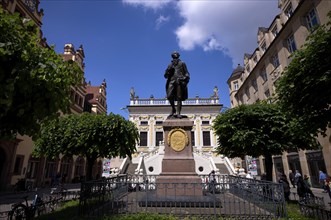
(173, 109)
(179, 109)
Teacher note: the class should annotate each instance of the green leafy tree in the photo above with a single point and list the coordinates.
(88, 135)
(260, 129)
(35, 81)
(304, 89)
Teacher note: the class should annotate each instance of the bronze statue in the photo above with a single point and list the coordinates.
(176, 86)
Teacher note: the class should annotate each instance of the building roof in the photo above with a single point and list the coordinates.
(236, 72)
(92, 94)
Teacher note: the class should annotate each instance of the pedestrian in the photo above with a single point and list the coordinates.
(297, 176)
(322, 178)
(327, 186)
(57, 179)
(306, 180)
(291, 176)
(264, 177)
(212, 181)
(286, 186)
(303, 190)
(249, 176)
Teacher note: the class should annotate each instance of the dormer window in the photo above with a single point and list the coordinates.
(235, 85)
(289, 10)
(248, 68)
(263, 46)
(274, 31)
(255, 59)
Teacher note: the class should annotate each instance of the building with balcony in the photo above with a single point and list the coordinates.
(256, 79)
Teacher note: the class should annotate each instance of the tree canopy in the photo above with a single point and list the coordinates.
(259, 129)
(88, 135)
(304, 89)
(35, 82)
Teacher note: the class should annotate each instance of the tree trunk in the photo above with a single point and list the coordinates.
(268, 166)
(89, 168)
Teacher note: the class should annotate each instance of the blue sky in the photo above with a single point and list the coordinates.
(129, 42)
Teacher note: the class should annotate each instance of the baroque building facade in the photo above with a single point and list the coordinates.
(148, 115)
(256, 79)
(16, 160)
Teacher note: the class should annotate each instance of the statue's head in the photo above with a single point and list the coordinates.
(175, 55)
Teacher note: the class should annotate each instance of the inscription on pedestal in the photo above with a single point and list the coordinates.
(177, 139)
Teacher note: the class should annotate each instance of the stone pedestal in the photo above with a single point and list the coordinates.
(178, 165)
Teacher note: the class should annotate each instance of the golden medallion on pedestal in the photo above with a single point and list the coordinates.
(177, 139)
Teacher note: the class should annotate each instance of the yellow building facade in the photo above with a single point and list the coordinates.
(255, 80)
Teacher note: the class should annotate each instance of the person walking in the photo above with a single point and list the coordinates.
(291, 176)
(327, 186)
(297, 176)
(322, 178)
(306, 180)
(212, 181)
(303, 190)
(286, 186)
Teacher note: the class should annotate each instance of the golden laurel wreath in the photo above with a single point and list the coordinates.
(177, 139)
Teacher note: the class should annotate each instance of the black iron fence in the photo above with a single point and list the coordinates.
(229, 196)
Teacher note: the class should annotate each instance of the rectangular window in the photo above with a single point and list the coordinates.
(205, 122)
(143, 139)
(18, 164)
(235, 85)
(50, 169)
(158, 122)
(158, 138)
(291, 44)
(247, 93)
(267, 93)
(241, 100)
(206, 138)
(192, 138)
(311, 19)
(275, 60)
(264, 75)
(254, 84)
(76, 98)
(33, 166)
(144, 123)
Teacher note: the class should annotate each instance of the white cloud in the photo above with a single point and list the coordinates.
(230, 26)
(153, 4)
(227, 25)
(160, 21)
(212, 44)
